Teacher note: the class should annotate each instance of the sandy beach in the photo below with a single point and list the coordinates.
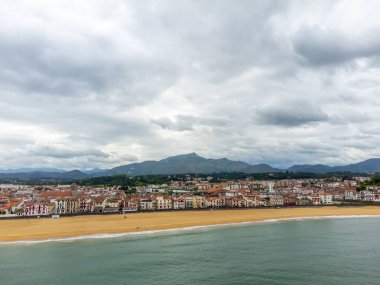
(36, 229)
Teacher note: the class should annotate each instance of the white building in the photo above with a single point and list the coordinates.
(163, 202)
(326, 199)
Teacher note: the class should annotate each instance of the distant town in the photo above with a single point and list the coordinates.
(17, 200)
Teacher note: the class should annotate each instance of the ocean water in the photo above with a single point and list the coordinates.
(326, 251)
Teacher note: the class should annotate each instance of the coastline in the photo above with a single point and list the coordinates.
(81, 227)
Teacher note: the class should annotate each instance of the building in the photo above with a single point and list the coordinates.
(39, 208)
(326, 198)
(72, 205)
(189, 202)
(52, 195)
(163, 202)
(60, 206)
(199, 202)
(303, 201)
(315, 200)
(112, 205)
(131, 205)
(214, 202)
(99, 204)
(86, 205)
(250, 201)
(276, 200)
(290, 200)
(147, 204)
(179, 203)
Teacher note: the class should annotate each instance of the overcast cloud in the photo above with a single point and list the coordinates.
(87, 84)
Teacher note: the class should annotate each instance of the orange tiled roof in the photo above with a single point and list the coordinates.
(54, 193)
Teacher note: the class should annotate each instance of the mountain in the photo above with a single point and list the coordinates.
(261, 168)
(368, 166)
(38, 175)
(72, 175)
(316, 168)
(187, 163)
(24, 170)
(191, 163)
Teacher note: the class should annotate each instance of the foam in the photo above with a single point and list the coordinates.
(152, 232)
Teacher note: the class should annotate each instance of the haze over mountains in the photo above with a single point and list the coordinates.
(187, 163)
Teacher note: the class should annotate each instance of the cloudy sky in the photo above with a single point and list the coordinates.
(87, 84)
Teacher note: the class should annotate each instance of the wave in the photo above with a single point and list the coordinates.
(152, 232)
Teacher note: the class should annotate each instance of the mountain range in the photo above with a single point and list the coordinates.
(190, 163)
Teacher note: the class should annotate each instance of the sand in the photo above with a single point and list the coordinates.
(44, 228)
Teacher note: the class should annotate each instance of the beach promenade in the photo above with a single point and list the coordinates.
(47, 228)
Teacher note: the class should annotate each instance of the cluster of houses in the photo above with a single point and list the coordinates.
(23, 200)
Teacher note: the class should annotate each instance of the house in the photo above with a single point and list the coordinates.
(234, 186)
(236, 202)
(276, 200)
(367, 196)
(86, 205)
(3, 211)
(250, 201)
(60, 206)
(326, 198)
(99, 204)
(112, 205)
(338, 196)
(39, 208)
(189, 202)
(350, 195)
(147, 204)
(163, 202)
(214, 202)
(52, 195)
(199, 202)
(303, 201)
(131, 205)
(178, 203)
(290, 200)
(232, 193)
(4, 199)
(261, 201)
(315, 199)
(72, 205)
(376, 197)
(13, 207)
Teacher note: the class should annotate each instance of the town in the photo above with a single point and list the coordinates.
(193, 193)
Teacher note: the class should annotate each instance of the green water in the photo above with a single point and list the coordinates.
(344, 251)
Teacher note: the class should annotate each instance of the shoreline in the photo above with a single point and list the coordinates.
(108, 226)
(151, 232)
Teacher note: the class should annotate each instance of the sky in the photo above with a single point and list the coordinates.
(96, 84)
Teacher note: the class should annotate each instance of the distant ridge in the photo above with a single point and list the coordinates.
(26, 170)
(371, 165)
(317, 168)
(193, 163)
(368, 166)
(39, 175)
(187, 163)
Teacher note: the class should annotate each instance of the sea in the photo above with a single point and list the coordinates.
(298, 251)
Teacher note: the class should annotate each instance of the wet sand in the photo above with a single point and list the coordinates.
(45, 228)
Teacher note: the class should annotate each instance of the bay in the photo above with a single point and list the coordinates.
(326, 251)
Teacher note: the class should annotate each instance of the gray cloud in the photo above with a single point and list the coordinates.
(97, 84)
(187, 123)
(291, 115)
(327, 46)
(182, 123)
(63, 152)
